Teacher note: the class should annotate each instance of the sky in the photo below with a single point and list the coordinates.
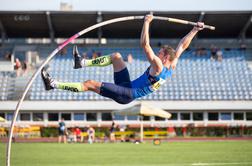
(128, 5)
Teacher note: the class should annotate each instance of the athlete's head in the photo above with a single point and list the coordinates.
(166, 53)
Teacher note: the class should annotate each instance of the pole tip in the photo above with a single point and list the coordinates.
(212, 28)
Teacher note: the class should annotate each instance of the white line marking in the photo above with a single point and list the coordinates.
(210, 164)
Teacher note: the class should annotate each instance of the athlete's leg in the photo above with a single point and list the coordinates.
(115, 59)
(118, 62)
(89, 85)
(118, 93)
(80, 62)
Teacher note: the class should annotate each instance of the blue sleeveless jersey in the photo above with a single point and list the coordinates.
(146, 84)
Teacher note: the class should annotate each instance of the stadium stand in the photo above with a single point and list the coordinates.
(6, 85)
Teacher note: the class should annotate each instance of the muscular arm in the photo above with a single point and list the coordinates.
(156, 64)
(185, 42)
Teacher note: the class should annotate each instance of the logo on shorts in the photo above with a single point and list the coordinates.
(98, 61)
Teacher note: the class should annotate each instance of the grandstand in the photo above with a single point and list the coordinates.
(203, 92)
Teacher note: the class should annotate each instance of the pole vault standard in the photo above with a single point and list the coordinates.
(8, 153)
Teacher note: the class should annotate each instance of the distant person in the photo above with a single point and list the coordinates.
(122, 130)
(213, 50)
(63, 51)
(78, 135)
(62, 131)
(94, 55)
(123, 90)
(184, 131)
(130, 58)
(7, 56)
(84, 55)
(243, 47)
(112, 132)
(171, 131)
(219, 55)
(24, 67)
(18, 67)
(200, 51)
(91, 135)
(17, 64)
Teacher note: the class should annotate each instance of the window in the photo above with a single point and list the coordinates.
(146, 118)
(185, 116)
(132, 117)
(238, 116)
(159, 118)
(79, 116)
(119, 117)
(106, 117)
(53, 117)
(91, 117)
(249, 115)
(25, 117)
(225, 116)
(174, 116)
(66, 116)
(198, 116)
(9, 116)
(213, 116)
(37, 117)
(2, 115)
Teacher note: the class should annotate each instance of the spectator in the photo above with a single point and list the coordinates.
(91, 134)
(63, 51)
(219, 55)
(184, 131)
(17, 64)
(84, 55)
(213, 52)
(243, 47)
(94, 54)
(24, 67)
(78, 135)
(62, 131)
(112, 132)
(18, 67)
(130, 58)
(7, 56)
(200, 51)
(159, 44)
(122, 130)
(99, 54)
(71, 135)
(171, 131)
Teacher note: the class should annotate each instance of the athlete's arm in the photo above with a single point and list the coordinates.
(156, 64)
(185, 42)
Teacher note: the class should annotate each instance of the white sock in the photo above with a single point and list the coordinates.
(53, 83)
(83, 63)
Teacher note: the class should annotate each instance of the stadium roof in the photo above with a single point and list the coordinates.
(129, 5)
(40, 24)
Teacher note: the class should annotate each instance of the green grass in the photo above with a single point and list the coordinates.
(128, 154)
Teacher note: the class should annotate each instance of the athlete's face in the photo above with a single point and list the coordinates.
(164, 57)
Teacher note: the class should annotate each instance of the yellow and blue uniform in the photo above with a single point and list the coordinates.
(125, 91)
